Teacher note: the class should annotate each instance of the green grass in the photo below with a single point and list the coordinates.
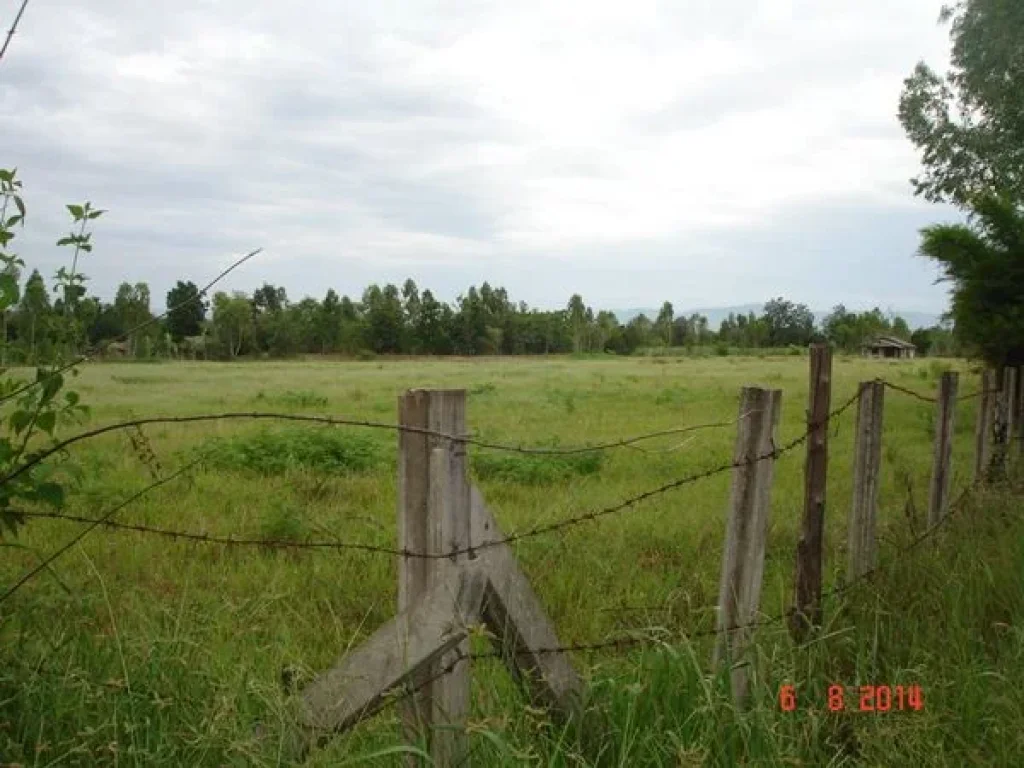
(146, 651)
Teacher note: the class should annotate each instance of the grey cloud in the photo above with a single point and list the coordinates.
(318, 138)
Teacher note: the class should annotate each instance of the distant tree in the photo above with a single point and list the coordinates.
(186, 310)
(788, 323)
(577, 312)
(232, 321)
(663, 323)
(969, 124)
(34, 313)
(384, 321)
(328, 323)
(900, 328)
(131, 308)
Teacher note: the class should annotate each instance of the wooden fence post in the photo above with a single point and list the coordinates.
(861, 541)
(1006, 419)
(945, 410)
(1018, 418)
(983, 427)
(434, 517)
(807, 600)
(739, 592)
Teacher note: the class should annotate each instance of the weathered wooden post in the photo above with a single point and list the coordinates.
(983, 426)
(739, 592)
(942, 472)
(1019, 413)
(1006, 418)
(433, 517)
(455, 575)
(862, 545)
(807, 600)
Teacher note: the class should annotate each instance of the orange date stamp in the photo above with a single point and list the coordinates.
(861, 698)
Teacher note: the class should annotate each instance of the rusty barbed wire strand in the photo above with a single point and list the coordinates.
(131, 331)
(131, 424)
(557, 525)
(93, 524)
(906, 391)
(842, 587)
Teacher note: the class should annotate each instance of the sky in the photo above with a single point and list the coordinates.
(705, 152)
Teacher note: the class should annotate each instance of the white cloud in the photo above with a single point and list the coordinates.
(522, 142)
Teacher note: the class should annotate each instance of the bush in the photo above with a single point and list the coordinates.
(295, 399)
(276, 451)
(535, 469)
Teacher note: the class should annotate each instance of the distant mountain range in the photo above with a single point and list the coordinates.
(716, 315)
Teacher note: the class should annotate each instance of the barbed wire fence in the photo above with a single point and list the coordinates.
(635, 637)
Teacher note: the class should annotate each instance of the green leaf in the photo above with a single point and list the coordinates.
(66, 241)
(6, 175)
(8, 291)
(20, 204)
(51, 386)
(51, 493)
(86, 247)
(71, 398)
(47, 421)
(20, 420)
(77, 211)
(5, 238)
(96, 214)
(13, 221)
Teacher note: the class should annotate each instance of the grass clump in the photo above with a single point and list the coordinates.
(276, 451)
(294, 399)
(534, 469)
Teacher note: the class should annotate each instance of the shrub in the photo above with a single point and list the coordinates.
(283, 523)
(276, 451)
(295, 399)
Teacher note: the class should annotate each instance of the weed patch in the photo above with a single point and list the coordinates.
(274, 452)
(294, 399)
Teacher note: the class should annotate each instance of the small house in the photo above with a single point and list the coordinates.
(889, 346)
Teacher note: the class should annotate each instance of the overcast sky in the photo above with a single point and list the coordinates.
(708, 152)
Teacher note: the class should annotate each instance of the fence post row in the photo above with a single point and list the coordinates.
(807, 599)
(867, 460)
(942, 472)
(739, 592)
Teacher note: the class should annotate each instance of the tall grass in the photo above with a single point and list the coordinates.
(143, 651)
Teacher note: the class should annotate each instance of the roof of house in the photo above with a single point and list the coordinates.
(889, 341)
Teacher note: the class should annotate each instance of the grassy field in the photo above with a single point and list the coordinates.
(141, 650)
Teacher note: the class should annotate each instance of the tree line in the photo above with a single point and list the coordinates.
(392, 320)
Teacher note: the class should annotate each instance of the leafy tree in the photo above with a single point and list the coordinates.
(663, 324)
(33, 314)
(984, 261)
(232, 321)
(577, 311)
(186, 310)
(384, 326)
(788, 323)
(969, 125)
